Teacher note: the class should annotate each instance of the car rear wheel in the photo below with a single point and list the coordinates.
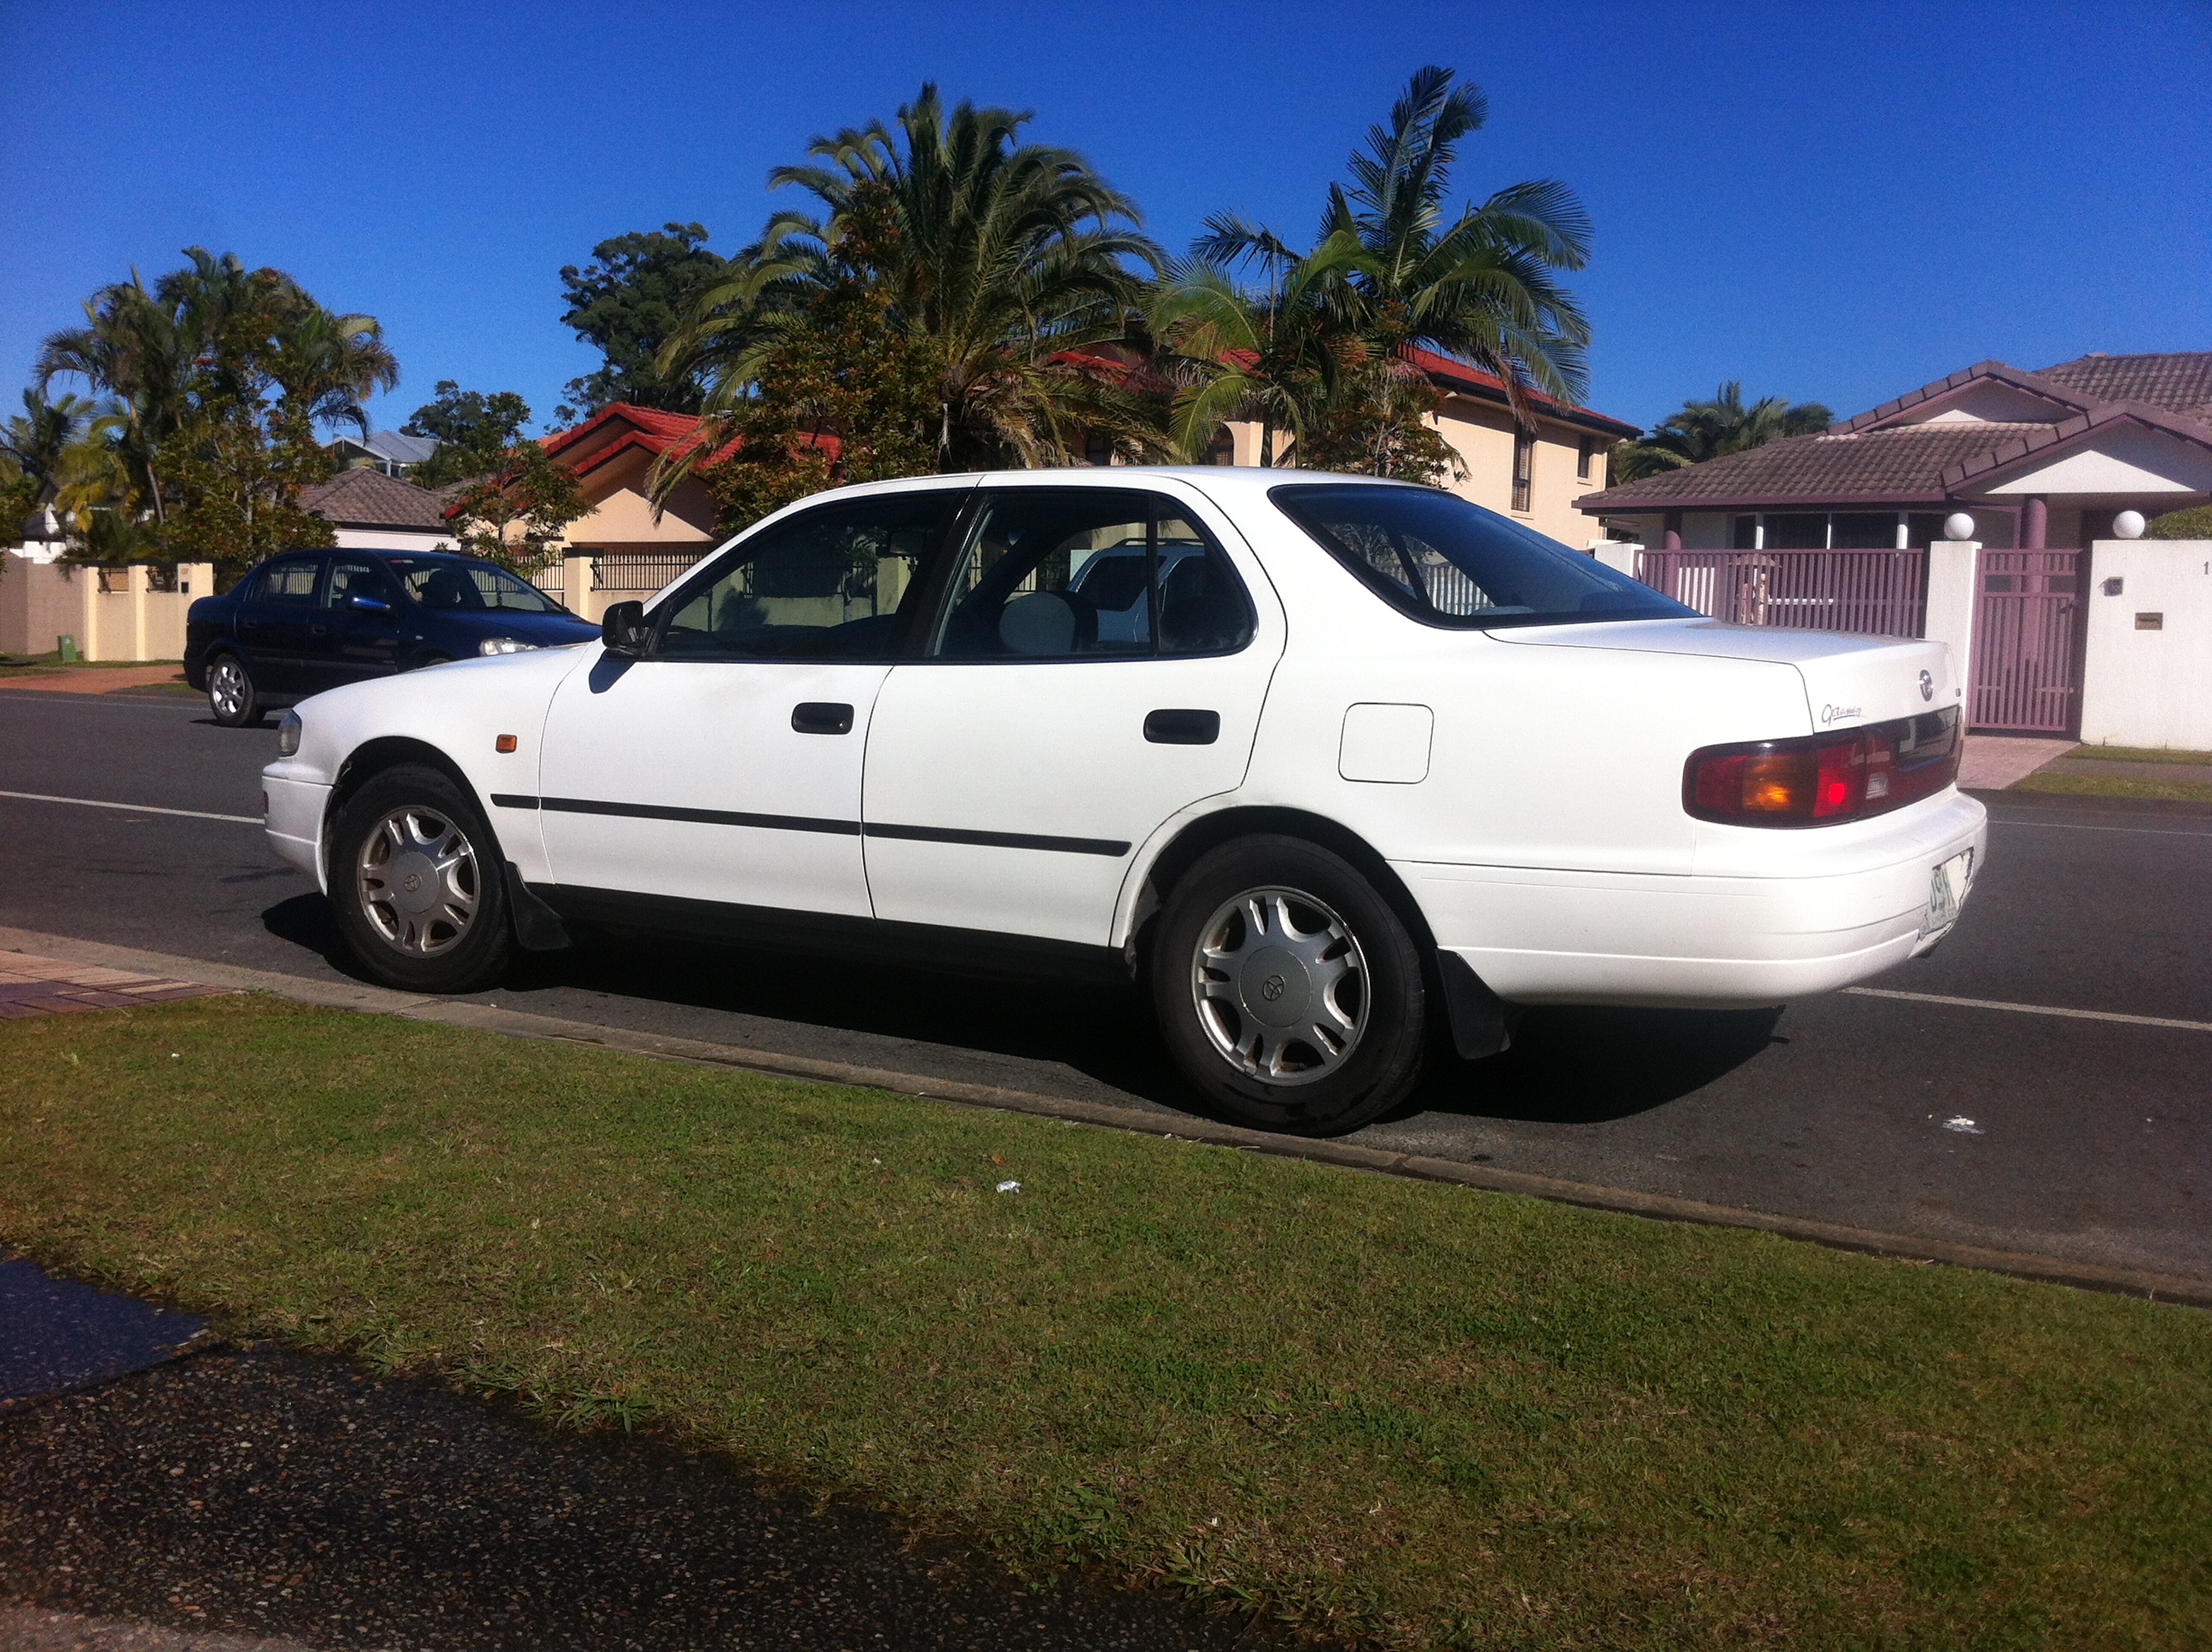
(232, 696)
(418, 885)
(1287, 989)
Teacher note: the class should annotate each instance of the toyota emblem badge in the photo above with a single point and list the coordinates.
(1272, 988)
(1927, 686)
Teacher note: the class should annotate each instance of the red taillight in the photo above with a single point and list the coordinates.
(1821, 780)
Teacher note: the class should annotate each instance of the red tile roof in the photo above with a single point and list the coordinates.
(1451, 373)
(1869, 460)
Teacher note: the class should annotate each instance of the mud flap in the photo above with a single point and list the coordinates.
(1481, 1022)
(537, 927)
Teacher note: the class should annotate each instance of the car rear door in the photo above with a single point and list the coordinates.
(715, 782)
(1015, 769)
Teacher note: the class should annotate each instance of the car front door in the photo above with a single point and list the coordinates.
(1063, 711)
(356, 633)
(273, 622)
(714, 782)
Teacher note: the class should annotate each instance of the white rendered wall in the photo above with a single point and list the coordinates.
(2145, 687)
(1954, 579)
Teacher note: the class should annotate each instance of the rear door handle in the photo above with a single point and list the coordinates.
(1177, 727)
(821, 717)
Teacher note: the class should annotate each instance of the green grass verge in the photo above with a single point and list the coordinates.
(1437, 1416)
(2117, 786)
(2141, 754)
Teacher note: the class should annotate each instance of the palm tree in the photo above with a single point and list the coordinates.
(133, 349)
(1006, 259)
(1270, 358)
(1483, 286)
(326, 366)
(1706, 430)
(36, 438)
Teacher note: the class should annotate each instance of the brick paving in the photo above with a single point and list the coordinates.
(32, 985)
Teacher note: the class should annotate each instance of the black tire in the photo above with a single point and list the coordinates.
(233, 695)
(452, 932)
(1284, 1083)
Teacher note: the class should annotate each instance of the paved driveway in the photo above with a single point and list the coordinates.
(2076, 1136)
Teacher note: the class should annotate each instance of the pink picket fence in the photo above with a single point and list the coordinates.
(1876, 592)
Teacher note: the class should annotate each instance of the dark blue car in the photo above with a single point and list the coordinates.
(305, 620)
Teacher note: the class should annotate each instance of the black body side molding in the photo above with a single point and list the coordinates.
(1481, 1022)
(537, 927)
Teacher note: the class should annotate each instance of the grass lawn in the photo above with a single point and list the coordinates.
(1438, 1416)
(2141, 754)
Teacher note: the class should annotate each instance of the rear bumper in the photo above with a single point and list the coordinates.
(293, 818)
(1550, 936)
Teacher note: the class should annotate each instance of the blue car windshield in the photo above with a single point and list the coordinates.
(1447, 562)
(455, 582)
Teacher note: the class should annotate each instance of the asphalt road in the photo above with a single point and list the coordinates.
(2080, 1138)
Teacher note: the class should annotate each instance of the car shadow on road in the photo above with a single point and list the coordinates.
(1567, 1065)
(1592, 1065)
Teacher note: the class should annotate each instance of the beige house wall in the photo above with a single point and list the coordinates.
(622, 511)
(1481, 434)
(43, 602)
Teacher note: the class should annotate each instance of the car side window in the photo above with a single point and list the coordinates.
(833, 583)
(292, 580)
(350, 579)
(1085, 573)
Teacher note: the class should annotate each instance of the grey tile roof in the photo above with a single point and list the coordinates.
(1901, 465)
(364, 498)
(2179, 381)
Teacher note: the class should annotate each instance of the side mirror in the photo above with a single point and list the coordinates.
(623, 629)
(370, 604)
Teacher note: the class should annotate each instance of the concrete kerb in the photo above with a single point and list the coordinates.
(516, 1023)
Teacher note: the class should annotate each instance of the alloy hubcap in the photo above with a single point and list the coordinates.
(1280, 985)
(417, 878)
(228, 689)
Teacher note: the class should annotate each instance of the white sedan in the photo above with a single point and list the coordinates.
(1340, 770)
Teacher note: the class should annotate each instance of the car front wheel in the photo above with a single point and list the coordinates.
(420, 892)
(1287, 989)
(232, 696)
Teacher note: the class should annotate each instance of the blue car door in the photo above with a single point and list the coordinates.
(273, 622)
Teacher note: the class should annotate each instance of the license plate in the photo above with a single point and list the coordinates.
(1947, 889)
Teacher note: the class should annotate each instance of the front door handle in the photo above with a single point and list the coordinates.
(1177, 728)
(821, 717)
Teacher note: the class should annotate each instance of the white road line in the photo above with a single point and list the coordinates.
(133, 808)
(2030, 1008)
(2077, 826)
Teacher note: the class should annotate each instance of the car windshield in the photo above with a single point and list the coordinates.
(1447, 562)
(457, 582)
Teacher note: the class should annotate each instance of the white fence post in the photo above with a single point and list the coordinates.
(1954, 582)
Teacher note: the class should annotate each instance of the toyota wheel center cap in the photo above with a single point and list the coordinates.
(414, 882)
(1275, 986)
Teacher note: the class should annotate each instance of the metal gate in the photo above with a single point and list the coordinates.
(2028, 645)
(1873, 592)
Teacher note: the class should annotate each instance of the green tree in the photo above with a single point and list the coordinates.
(33, 444)
(473, 430)
(1707, 429)
(842, 395)
(221, 377)
(1008, 262)
(514, 514)
(2192, 522)
(625, 304)
(1483, 286)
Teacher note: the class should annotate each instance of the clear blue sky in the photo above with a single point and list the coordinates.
(1832, 202)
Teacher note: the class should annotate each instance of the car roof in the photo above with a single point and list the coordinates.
(1218, 480)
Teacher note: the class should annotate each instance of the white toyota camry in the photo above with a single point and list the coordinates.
(1339, 769)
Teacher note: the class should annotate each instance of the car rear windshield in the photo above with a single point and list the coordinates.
(1447, 562)
(453, 582)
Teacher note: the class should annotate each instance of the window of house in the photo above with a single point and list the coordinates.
(832, 583)
(1582, 457)
(1065, 572)
(1524, 468)
(1097, 449)
(1864, 531)
(1797, 530)
(1746, 534)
